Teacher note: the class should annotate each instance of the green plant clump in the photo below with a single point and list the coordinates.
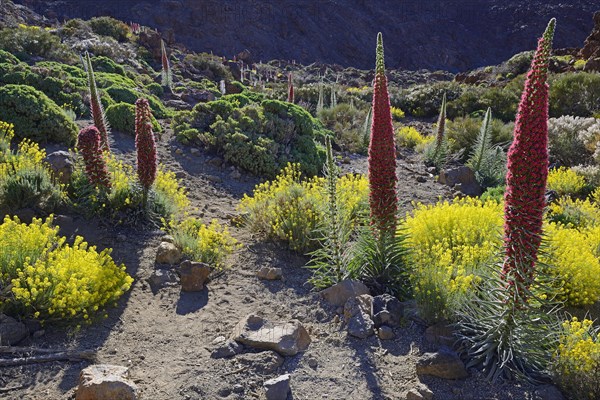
(121, 117)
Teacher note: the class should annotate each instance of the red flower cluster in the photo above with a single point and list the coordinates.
(88, 144)
(527, 173)
(96, 106)
(290, 89)
(382, 154)
(145, 144)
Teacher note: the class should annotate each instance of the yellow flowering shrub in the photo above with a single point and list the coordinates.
(573, 257)
(52, 280)
(397, 113)
(209, 244)
(574, 213)
(448, 245)
(577, 365)
(409, 137)
(167, 198)
(291, 209)
(565, 181)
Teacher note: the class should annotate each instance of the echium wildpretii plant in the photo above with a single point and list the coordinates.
(96, 109)
(166, 74)
(290, 98)
(330, 262)
(436, 154)
(379, 254)
(145, 147)
(383, 200)
(488, 161)
(508, 329)
(90, 147)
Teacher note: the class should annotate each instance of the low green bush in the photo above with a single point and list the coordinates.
(121, 117)
(35, 116)
(27, 42)
(108, 26)
(576, 94)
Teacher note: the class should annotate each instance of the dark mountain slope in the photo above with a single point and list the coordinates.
(452, 35)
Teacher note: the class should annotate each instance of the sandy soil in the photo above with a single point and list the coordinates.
(165, 337)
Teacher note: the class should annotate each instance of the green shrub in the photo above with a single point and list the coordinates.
(209, 65)
(107, 26)
(463, 131)
(347, 123)
(155, 89)
(27, 42)
(565, 181)
(409, 137)
(573, 140)
(425, 100)
(576, 94)
(105, 64)
(121, 117)
(475, 100)
(35, 116)
(6, 57)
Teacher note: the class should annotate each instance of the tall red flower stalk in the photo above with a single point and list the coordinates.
(145, 146)
(382, 154)
(166, 67)
(290, 89)
(527, 174)
(96, 106)
(89, 145)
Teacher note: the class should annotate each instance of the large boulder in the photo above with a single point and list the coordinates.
(461, 178)
(286, 338)
(338, 294)
(193, 275)
(105, 382)
(168, 253)
(387, 310)
(62, 165)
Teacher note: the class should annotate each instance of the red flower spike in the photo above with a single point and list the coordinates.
(382, 154)
(90, 147)
(145, 144)
(527, 174)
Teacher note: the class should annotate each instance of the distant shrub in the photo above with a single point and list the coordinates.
(121, 117)
(210, 66)
(573, 140)
(409, 137)
(155, 89)
(105, 64)
(425, 100)
(209, 244)
(108, 26)
(347, 123)
(474, 100)
(397, 114)
(127, 95)
(51, 280)
(26, 42)
(576, 94)
(565, 181)
(35, 116)
(574, 213)
(6, 57)
(463, 132)
(494, 193)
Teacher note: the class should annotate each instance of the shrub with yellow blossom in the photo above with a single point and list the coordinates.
(210, 244)
(449, 244)
(577, 362)
(409, 137)
(291, 209)
(565, 181)
(52, 280)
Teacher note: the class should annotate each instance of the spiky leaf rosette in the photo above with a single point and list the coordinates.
(487, 160)
(166, 75)
(382, 154)
(527, 173)
(96, 106)
(89, 145)
(290, 88)
(145, 144)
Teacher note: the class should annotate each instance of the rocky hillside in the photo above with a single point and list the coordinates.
(453, 35)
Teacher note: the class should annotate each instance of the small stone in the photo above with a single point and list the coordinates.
(312, 362)
(421, 392)
(194, 151)
(387, 310)
(214, 178)
(443, 364)
(160, 279)
(385, 333)
(227, 349)
(105, 382)
(421, 179)
(219, 340)
(178, 151)
(269, 273)
(277, 388)
(354, 305)
(285, 338)
(360, 325)
(235, 174)
(346, 160)
(193, 275)
(168, 239)
(168, 253)
(338, 294)
(11, 331)
(237, 388)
